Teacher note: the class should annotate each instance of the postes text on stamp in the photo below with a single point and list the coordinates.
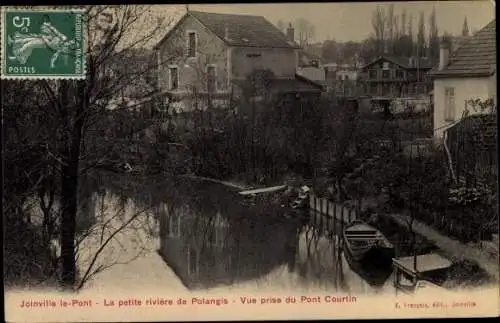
(43, 44)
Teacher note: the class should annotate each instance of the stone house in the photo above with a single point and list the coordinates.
(210, 57)
(469, 73)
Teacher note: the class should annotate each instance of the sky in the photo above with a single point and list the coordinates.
(352, 21)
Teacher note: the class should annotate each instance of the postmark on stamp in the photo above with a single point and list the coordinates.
(43, 44)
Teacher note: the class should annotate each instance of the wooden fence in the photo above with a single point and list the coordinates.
(473, 147)
(340, 212)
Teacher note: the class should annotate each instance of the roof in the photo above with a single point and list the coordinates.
(476, 57)
(244, 30)
(315, 74)
(404, 62)
(425, 263)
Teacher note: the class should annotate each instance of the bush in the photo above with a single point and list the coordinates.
(27, 259)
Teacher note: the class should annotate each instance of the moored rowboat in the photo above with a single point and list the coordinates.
(367, 245)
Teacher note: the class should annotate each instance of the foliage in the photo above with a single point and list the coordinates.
(264, 137)
(482, 106)
(469, 196)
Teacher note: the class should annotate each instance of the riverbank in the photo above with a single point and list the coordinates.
(472, 266)
(452, 248)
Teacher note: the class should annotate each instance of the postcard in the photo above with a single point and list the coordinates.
(250, 161)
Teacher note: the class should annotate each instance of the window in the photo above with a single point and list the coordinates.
(399, 74)
(386, 74)
(386, 90)
(373, 74)
(191, 52)
(449, 108)
(347, 77)
(385, 66)
(254, 55)
(174, 77)
(211, 78)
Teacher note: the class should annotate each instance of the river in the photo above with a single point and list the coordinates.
(190, 234)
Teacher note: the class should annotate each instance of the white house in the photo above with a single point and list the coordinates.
(468, 73)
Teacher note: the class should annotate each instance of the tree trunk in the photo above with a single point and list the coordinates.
(69, 200)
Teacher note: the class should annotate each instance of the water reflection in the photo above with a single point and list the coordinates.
(210, 241)
(211, 245)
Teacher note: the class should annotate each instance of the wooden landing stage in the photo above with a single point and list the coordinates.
(263, 190)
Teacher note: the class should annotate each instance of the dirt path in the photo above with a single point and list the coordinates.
(452, 247)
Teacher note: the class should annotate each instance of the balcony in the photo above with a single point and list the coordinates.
(397, 91)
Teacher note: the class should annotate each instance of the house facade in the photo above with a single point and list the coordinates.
(469, 73)
(211, 55)
(397, 77)
(342, 79)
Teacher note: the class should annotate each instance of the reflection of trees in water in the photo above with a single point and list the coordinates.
(228, 242)
(319, 255)
(121, 228)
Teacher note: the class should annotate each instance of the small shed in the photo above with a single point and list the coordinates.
(411, 272)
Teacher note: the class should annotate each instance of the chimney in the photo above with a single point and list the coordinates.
(226, 32)
(444, 55)
(290, 33)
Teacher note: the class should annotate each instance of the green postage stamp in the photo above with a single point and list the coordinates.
(43, 43)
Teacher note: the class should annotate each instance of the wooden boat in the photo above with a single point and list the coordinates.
(365, 244)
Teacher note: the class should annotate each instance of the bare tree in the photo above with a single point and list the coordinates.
(403, 23)
(396, 36)
(421, 44)
(390, 28)
(433, 35)
(305, 31)
(77, 105)
(379, 23)
(411, 40)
